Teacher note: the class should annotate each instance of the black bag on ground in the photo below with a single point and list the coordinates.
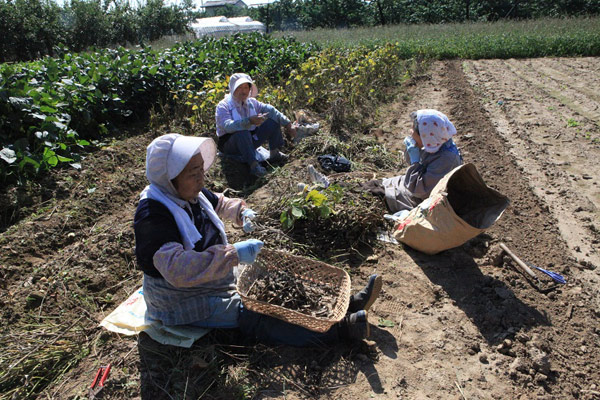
(330, 163)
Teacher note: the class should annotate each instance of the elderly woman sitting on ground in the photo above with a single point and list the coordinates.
(430, 152)
(189, 265)
(244, 124)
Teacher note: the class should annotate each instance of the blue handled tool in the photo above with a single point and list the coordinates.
(525, 266)
(554, 275)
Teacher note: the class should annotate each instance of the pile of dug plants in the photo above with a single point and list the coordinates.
(329, 222)
(332, 223)
(282, 288)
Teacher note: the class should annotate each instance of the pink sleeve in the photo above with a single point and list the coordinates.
(230, 209)
(190, 268)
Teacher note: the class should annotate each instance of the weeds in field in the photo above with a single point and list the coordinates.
(57, 348)
(502, 39)
(572, 123)
(588, 136)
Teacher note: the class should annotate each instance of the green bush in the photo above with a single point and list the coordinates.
(30, 28)
(156, 20)
(52, 107)
(87, 25)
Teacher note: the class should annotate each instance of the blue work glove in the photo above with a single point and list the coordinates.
(248, 250)
(247, 216)
(413, 151)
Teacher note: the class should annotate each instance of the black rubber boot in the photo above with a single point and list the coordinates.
(355, 326)
(364, 299)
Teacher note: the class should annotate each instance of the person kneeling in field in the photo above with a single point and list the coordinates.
(244, 124)
(430, 152)
(189, 265)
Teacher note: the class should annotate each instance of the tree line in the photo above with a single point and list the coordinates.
(311, 14)
(34, 28)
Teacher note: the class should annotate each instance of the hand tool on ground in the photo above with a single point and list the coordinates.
(554, 275)
(520, 263)
(98, 383)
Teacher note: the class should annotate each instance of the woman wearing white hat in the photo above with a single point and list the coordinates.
(189, 266)
(244, 124)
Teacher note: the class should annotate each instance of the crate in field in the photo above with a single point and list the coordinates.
(295, 289)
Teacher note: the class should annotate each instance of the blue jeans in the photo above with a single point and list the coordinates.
(224, 312)
(242, 144)
(273, 331)
(230, 313)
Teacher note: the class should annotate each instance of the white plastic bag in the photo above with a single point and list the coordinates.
(131, 318)
(262, 154)
(304, 130)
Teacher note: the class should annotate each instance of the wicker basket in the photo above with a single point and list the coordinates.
(306, 270)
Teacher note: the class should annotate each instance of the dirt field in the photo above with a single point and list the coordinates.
(466, 323)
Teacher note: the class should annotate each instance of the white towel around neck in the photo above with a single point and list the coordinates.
(187, 229)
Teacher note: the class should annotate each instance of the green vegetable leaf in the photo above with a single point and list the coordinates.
(47, 109)
(385, 323)
(286, 221)
(316, 197)
(64, 159)
(50, 157)
(28, 160)
(324, 211)
(297, 212)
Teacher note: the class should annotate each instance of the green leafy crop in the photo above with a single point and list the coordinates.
(316, 204)
(51, 108)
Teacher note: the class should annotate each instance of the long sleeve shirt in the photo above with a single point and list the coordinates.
(159, 248)
(406, 191)
(179, 283)
(226, 123)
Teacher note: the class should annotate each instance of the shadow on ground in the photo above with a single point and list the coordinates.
(221, 366)
(488, 302)
(228, 174)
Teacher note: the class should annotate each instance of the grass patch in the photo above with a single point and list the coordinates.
(502, 39)
(38, 355)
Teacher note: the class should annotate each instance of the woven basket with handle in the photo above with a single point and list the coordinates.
(304, 271)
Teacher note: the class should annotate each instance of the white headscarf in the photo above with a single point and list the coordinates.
(238, 110)
(166, 157)
(240, 78)
(434, 129)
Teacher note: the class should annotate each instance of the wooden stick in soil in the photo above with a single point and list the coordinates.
(520, 263)
(460, 390)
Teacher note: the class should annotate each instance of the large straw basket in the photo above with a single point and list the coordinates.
(306, 270)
